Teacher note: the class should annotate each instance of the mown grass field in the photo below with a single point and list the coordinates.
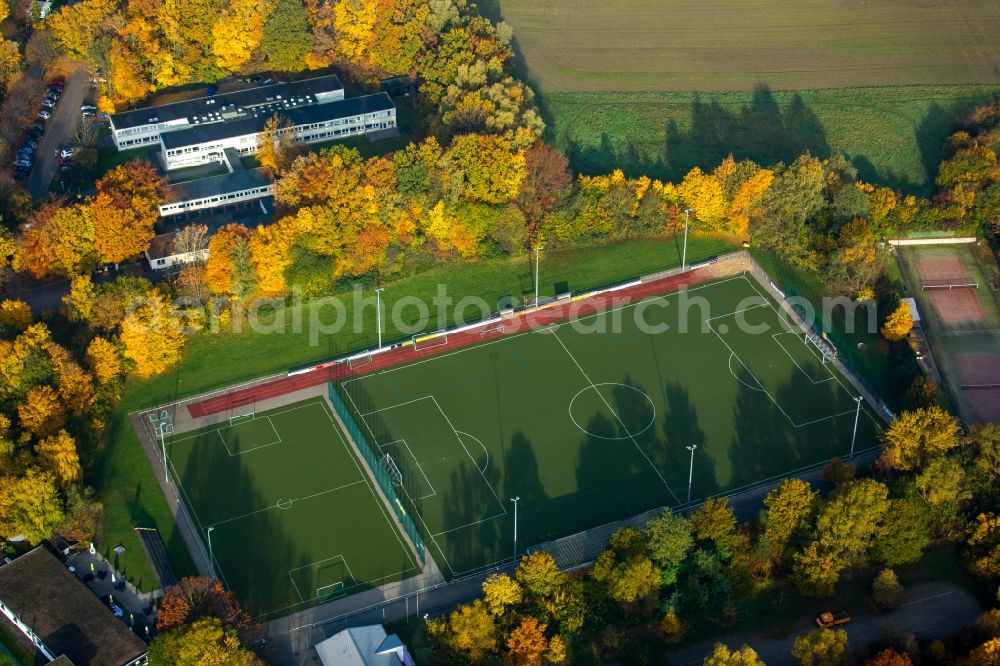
(688, 45)
(659, 87)
(123, 478)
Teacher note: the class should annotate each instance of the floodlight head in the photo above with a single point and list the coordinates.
(692, 448)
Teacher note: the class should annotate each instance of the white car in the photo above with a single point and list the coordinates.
(44, 114)
(66, 152)
(88, 107)
(48, 103)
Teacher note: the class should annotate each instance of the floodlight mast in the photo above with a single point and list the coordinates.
(691, 470)
(378, 314)
(538, 249)
(515, 500)
(854, 435)
(684, 253)
(211, 558)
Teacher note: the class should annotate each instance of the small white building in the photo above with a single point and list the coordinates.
(143, 127)
(241, 129)
(363, 646)
(163, 255)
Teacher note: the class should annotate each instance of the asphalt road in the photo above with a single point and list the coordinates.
(58, 129)
(931, 610)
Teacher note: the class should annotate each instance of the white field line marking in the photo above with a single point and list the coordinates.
(611, 409)
(468, 453)
(419, 466)
(286, 503)
(801, 369)
(736, 377)
(514, 336)
(375, 440)
(378, 502)
(202, 433)
(478, 441)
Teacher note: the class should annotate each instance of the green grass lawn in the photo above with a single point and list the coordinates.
(892, 134)
(294, 517)
(589, 423)
(123, 478)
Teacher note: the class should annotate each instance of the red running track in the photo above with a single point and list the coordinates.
(557, 312)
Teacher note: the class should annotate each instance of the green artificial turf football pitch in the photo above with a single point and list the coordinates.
(587, 422)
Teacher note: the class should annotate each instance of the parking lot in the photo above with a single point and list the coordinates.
(58, 130)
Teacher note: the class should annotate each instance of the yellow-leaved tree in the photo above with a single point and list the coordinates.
(58, 455)
(15, 315)
(42, 413)
(899, 324)
(238, 32)
(152, 336)
(104, 360)
(30, 505)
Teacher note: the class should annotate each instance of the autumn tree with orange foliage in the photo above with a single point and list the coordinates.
(221, 274)
(125, 210)
(527, 643)
(889, 657)
(197, 597)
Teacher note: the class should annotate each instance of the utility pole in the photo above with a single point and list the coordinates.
(691, 470)
(515, 500)
(378, 314)
(684, 254)
(854, 435)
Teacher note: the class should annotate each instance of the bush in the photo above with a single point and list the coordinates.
(886, 589)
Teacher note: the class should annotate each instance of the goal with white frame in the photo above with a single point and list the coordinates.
(438, 339)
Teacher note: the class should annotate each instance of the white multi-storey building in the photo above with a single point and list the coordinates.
(143, 127)
(241, 129)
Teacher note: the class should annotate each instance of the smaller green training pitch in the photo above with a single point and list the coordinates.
(294, 517)
(589, 421)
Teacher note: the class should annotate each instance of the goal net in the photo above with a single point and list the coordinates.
(391, 470)
(327, 592)
(493, 329)
(824, 350)
(438, 339)
(359, 360)
(242, 412)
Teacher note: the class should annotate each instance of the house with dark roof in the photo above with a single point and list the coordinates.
(53, 611)
(142, 127)
(241, 129)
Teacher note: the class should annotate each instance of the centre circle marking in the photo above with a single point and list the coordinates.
(284, 503)
(628, 435)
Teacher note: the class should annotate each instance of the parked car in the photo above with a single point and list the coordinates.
(58, 81)
(48, 103)
(20, 173)
(45, 114)
(117, 610)
(23, 163)
(38, 125)
(88, 113)
(88, 107)
(54, 93)
(65, 152)
(31, 143)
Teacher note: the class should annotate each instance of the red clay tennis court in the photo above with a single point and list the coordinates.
(953, 304)
(980, 374)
